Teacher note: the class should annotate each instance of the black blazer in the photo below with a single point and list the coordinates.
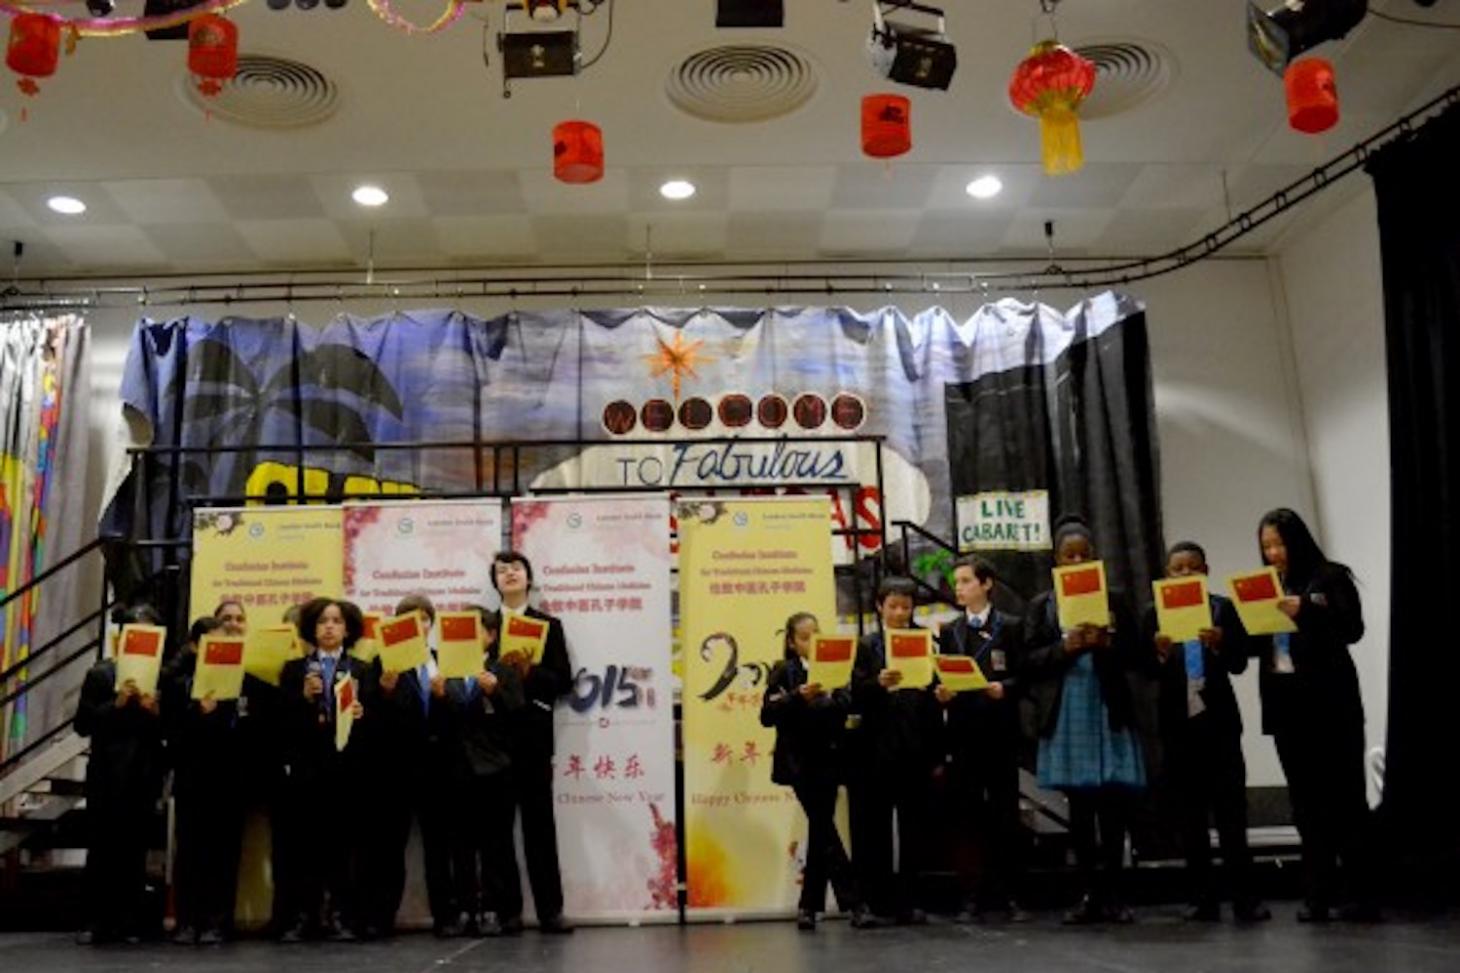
(1324, 685)
(899, 729)
(474, 730)
(1046, 662)
(543, 686)
(1222, 711)
(126, 762)
(309, 740)
(808, 734)
(398, 729)
(973, 717)
(204, 749)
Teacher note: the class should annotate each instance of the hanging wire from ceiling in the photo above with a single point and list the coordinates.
(1413, 21)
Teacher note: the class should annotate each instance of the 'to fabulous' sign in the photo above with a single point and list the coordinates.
(1004, 521)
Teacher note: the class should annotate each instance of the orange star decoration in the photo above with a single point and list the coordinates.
(678, 359)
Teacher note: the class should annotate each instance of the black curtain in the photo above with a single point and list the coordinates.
(1419, 234)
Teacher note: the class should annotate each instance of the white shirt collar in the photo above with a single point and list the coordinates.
(982, 618)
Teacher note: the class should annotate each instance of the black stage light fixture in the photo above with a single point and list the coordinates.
(335, 4)
(161, 8)
(100, 8)
(750, 13)
(1277, 35)
(539, 54)
(919, 56)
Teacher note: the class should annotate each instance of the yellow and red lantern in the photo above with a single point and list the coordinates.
(886, 125)
(212, 52)
(34, 49)
(1312, 95)
(1049, 84)
(577, 152)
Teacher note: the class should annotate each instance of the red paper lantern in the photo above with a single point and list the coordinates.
(886, 125)
(577, 152)
(34, 49)
(1312, 95)
(212, 51)
(1050, 84)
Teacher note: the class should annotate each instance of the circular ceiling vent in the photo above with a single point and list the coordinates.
(742, 83)
(269, 92)
(1127, 74)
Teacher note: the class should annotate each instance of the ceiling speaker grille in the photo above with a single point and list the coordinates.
(270, 92)
(742, 83)
(1127, 74)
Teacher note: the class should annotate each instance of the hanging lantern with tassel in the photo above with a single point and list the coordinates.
(1050, 84)
(212, 52)
(1312, 95)
(577, 152)
(34, 50)
(886, 125)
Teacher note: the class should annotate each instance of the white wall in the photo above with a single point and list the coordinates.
(1329, 275)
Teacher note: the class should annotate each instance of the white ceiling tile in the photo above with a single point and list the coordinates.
(213, 244)
(1175, 187)
(671, 235)
(868, 231)
(580, 236)
(545, 194)
(267, 196)
(314, 241)
(109, 247)
(167, 200)
(477, 192)
(334, 192)
(882, 185)
(1074, 230)
(486, 237)
(781, 188)
(763, 235)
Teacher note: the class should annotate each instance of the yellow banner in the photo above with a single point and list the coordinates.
(744, 567)
(268, 558)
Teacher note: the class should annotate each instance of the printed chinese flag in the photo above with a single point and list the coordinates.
(910, 652)
(525, 636)
(142, 640)
(459, 651)
(1183, 594)
(1257, 595)
(1255, 587)
(1182, 608)
(831, 660)
(219, 674)
(139, 656)
(368, 646)
(403, 643)
(1082, 581)
(960, 673)
(1081, 595)
(344, 719)
(459, 627)
(223, 652)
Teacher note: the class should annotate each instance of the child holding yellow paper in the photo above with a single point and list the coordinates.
(983, 741)
(1312, 709)
(809, 719)
(1085, 716)
(1201, 736)
(898, 747)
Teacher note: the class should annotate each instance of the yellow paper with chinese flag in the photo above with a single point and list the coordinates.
(265, 650)
(1182, 607)
(367, 647)
(745, 565)
(345, 691)
(910, 652)
(1256, 595)
(139, 656)
(1081, 595)
(403, 643)
(831, 661)
(220, 668)
(460, 646)
(525, 635)
(960, 673)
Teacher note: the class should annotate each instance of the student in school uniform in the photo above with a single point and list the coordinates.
(123, 782)
(474, 720)
(899, 749)
(325, 785)
(1085, 715)
(532, 752)
(983, 741)
(1201, 737)
(1312, 708)
(809, 720)
(203, 745)
(398, 737)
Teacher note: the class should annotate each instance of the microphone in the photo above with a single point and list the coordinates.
(315, 669)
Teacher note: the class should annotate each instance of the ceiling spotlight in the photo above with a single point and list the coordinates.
(677, 189)
(370, 196)
(918, 56)
(306, 4)
(279, 4)
(985, 187)
(1278, 34)
(750, 13)
(100, 8)
(66, 205)
(335, 4)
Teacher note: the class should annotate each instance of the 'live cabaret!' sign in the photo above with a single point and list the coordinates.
(1001, 521)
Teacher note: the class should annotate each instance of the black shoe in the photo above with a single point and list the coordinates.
(1311, 912)
(512, 926)
(1203, 912)
(185, 936)
(487, 926)
(555, 926)
(336, 933)
(969, 915)
(864, 918)
(1251, 912)
(210, 937)
(1121, 915)
(913, 917)
(1017, 913)
(1361, 912)
(296, 933)
(1088, 912)
(92, 937)
(448, 930)
(806, 920)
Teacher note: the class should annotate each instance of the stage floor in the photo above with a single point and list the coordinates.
(1159, 943)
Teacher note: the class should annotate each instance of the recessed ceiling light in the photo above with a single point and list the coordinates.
(985, 187)
(677, 189)
(66, 205)
(370, 196)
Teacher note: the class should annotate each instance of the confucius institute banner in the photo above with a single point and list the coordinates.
(744, 567)
(268, 558)
(602, 565)
(442, 549)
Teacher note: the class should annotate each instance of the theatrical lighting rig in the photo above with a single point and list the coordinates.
(750, 13)
(922, 57)
(537, 53)
(1278, 34)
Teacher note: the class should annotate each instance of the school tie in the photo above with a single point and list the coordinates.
(423, 686)
(327, 675)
